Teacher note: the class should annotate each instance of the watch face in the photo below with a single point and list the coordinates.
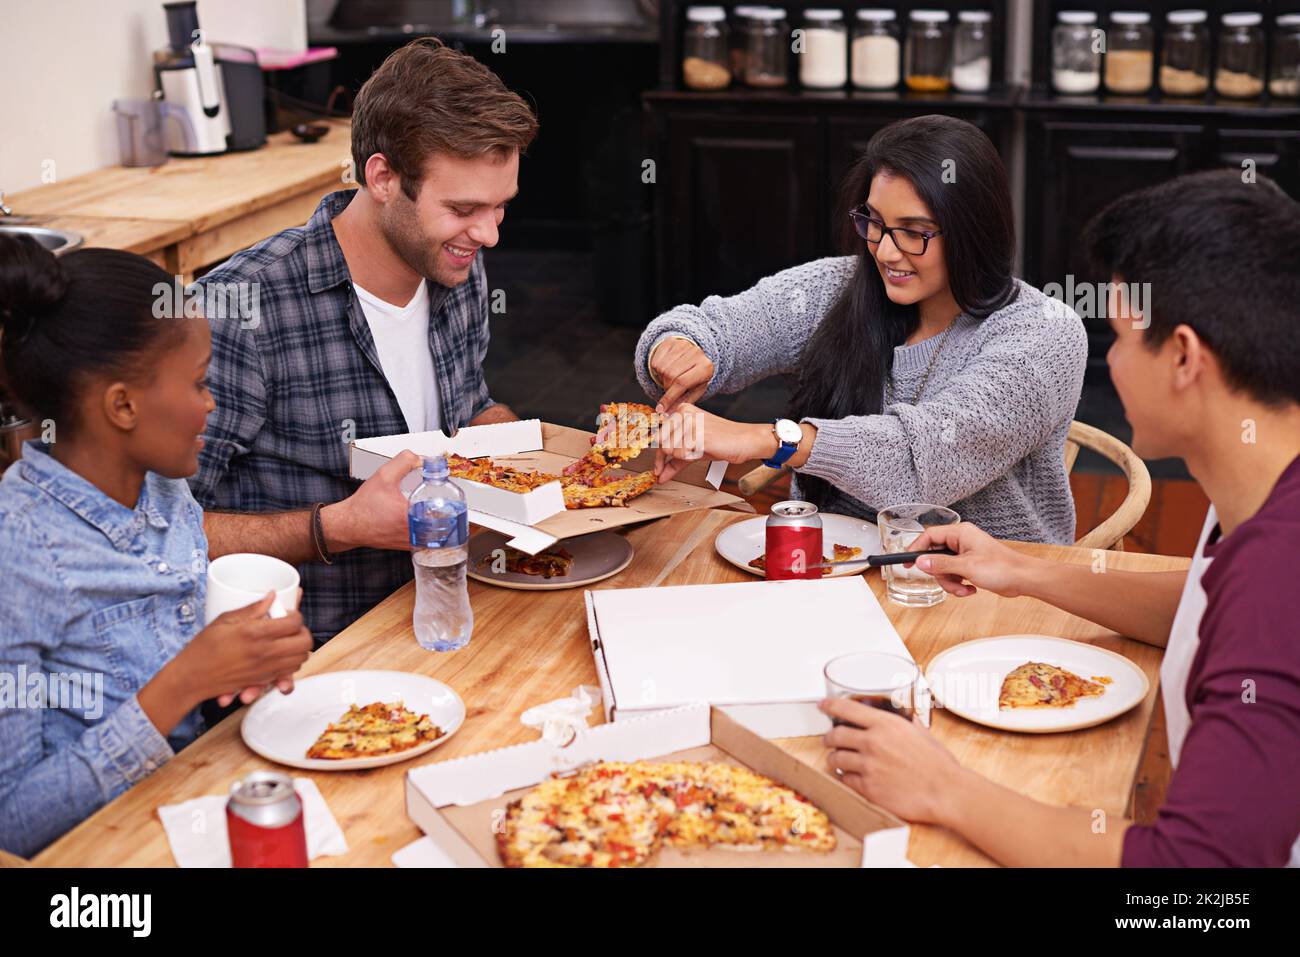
(788, 431)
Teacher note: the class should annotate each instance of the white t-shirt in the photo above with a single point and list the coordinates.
(401, 335)
(1184, 640)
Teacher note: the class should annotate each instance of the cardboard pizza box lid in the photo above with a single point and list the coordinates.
(756, 648)
(538, 519)
(461, 803)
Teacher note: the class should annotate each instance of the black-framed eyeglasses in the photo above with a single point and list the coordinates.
(911, 241)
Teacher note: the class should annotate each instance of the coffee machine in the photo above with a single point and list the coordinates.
(217, 88)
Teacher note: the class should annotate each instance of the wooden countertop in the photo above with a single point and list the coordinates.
(529, 647)
(200, 193)
(133, 235)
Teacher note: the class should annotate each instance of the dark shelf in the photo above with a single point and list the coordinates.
(324, 35)
(1039, 98)
(998, 96)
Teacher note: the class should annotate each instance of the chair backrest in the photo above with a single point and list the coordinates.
(1111, 531)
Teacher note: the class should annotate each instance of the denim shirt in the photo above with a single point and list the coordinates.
(94, 599)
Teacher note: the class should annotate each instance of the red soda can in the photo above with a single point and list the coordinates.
(264, 821)
(794, 541)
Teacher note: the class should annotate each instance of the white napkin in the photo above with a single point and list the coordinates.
(422, 852)
(887, 848)
(196, 829)
(561, 720)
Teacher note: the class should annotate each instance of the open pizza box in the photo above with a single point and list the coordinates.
(538, 519)
(461, 803)
(756, 649)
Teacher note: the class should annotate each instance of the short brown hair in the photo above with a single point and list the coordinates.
(427, 98)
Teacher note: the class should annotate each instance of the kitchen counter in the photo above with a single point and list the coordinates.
(189, 214)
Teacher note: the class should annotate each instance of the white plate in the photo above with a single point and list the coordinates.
(967, 678)
(742, 542)
(282, 727)
(596, 556)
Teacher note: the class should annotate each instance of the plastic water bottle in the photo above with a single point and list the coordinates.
(439, 524)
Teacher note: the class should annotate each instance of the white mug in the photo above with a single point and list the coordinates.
(237, 581)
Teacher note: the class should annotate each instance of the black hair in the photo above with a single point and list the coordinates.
(90, 313)
(1222, 256)
(843, 368)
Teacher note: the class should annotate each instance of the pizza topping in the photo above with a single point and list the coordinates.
(619, 814)
(1038, 685)
(553, 562)
(374, 730)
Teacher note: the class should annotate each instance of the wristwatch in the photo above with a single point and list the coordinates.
(789, 434)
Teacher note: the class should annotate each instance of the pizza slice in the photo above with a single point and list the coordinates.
(628, 429)
(844, 553)
(1038, 685)
(553, 562)
(840, 553)
(616, 492)
(374, 730)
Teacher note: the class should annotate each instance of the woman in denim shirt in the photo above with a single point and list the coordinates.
(103, 655)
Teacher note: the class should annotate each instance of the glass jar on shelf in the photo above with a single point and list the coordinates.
(972, 52)
(1130, 52)
(1185, 56)
(706, 52)
(1284, 75)
(928, 56)
(1240, 72)
(766, 49)
(1076, 54)
(742, 19)
(824, 57)
(876, 50)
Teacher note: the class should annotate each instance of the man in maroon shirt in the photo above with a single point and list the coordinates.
(1208, 371)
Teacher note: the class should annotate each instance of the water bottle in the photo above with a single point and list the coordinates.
(439, 524)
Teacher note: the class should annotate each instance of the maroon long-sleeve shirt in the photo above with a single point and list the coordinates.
(1234, 799)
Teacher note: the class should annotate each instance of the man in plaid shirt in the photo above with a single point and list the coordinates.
(372, 319)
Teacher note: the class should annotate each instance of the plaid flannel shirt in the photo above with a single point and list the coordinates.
(299, 380)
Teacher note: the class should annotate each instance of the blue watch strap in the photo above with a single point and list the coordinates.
(783, 452)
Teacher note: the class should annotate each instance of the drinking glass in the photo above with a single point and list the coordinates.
(876, 679)
(900, 526)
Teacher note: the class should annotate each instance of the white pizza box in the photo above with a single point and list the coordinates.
(460, 804)
(538, 519)
(755, 648)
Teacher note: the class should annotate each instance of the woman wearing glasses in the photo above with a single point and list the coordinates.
(923, 370)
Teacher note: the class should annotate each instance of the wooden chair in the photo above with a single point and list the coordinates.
(1110, 533)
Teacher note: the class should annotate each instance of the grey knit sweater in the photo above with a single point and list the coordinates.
(986, 436)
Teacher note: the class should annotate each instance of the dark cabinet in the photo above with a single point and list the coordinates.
(742, 198)
(748, 185)
(1078, 160)
(1274, 153)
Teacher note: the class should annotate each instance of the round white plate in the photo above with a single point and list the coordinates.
(742, 542)
(967, 678)
(595, 557)
(282, 727)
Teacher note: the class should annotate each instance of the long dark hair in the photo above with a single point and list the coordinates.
(66, 320)
(843, 368)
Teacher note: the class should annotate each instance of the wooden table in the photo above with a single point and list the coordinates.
(192, 212)
(530, 647)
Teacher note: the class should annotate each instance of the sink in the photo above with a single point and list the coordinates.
(56, 241)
